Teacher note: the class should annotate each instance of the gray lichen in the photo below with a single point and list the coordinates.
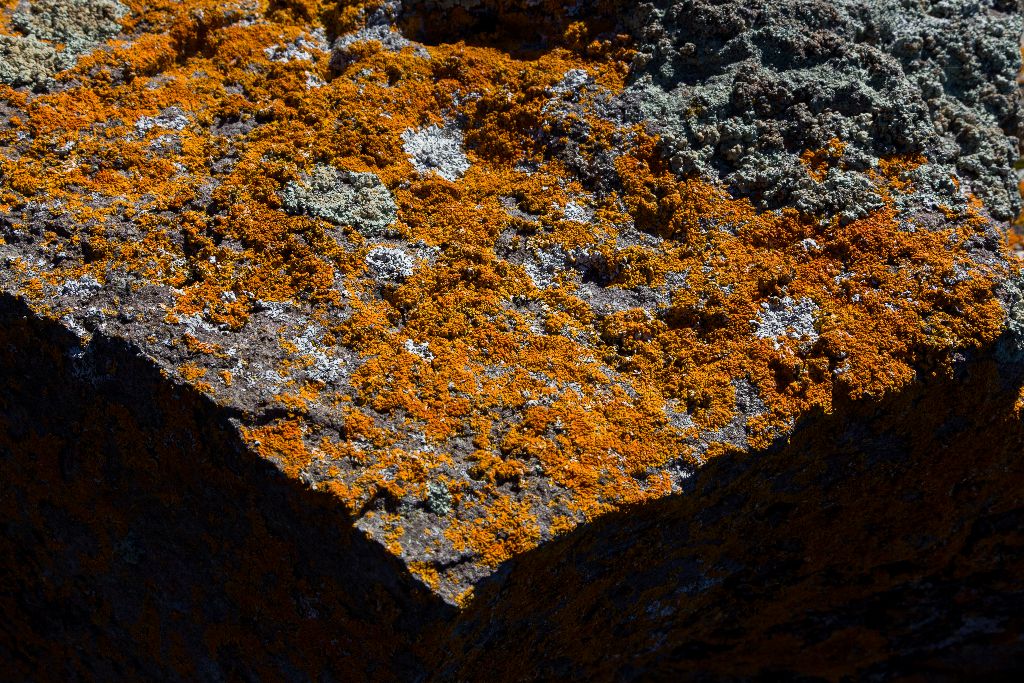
(77, 26)
(1011, 348)
(436, 150)
(359, 200)
(27, 61)
(738, 89)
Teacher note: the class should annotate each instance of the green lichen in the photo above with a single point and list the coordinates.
(439, 498)
(341, 197)
(27, 61)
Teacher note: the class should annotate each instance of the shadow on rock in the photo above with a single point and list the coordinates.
(881, 541)
(141, 541)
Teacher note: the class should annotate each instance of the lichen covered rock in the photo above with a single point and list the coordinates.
(482, 286)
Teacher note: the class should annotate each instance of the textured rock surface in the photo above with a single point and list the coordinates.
(482, 289)
(753, 85)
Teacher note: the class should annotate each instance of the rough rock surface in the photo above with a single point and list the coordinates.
(480, 279)
(751, 86)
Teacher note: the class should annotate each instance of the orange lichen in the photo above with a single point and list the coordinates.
(191, 372)
(507, 527)
(282, 442)
(426, 573)
(819, 161)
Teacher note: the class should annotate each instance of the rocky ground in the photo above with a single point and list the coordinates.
(455, 324)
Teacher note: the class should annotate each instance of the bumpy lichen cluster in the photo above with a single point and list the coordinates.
(740, 89)
(46, 36)
(458, 286)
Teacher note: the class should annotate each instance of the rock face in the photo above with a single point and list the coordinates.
(384, 323)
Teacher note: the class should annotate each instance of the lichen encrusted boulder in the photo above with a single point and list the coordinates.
(483, 291)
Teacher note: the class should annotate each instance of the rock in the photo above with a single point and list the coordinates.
(530, 319)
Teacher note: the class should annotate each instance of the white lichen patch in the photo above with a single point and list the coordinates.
(573, 81)
(304, 48)
(545, 266)
(422, 349)
(436, 149)
(786, 317)
(51, 34)
(577, 213)
(172, 118)
(327, 369)
(388, 264)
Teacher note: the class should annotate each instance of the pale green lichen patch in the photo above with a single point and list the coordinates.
(344, 198)
(78, 25)
(25, 60)
(49, 35)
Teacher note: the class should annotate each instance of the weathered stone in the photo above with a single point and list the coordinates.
(475, 307)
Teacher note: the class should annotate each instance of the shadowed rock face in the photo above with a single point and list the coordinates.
(141, 539)
(378, 326)
(882, 542)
